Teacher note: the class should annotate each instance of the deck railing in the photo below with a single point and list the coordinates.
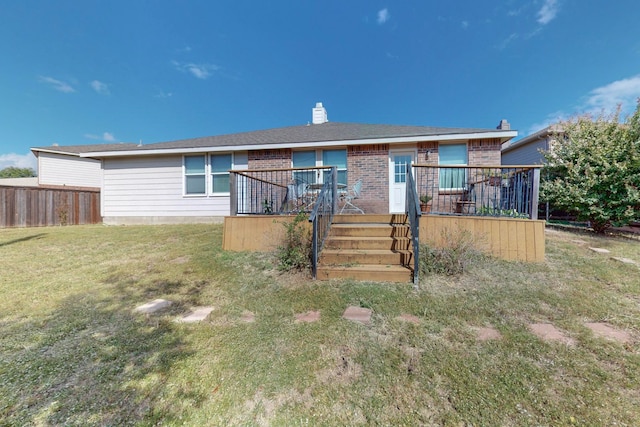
(322, 216)
(413, 214)
(275, 191)
(498, 191)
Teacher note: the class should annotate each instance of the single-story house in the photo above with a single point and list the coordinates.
(188, 180)
(528, 150)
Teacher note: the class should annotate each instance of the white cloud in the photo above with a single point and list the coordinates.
(106, 137)
(506, 42)
(58, 85)
(162, 94)
(602, 100)
(201, 71)
(100, 87)
(548, 11)
(383, 16)
(606, 98)
(551, 119)
(18, 161)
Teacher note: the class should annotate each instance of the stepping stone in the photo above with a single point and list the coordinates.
(624, 260)
(358, 314)
(308, 317)
(607, 331)
(579, 242)
(548, 332)
(248, 317)
(600, 250)
(486, 334)
(409, 318)
(153, 306)
(197, 315)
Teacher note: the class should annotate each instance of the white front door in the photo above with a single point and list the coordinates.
(398, 161)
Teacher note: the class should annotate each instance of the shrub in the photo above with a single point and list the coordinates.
(593, 170)
(295, 252)
(457, 252)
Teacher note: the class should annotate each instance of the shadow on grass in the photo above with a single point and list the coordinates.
(23, 239)
(91, 361)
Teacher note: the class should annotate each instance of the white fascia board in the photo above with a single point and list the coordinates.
(340, 143)
(64, 153)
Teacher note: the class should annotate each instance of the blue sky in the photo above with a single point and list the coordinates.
(90, 71)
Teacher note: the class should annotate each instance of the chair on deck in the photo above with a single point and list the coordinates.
(296, 192)
(350, 195)
(467, 202)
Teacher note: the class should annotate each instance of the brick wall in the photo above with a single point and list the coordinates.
(270, 159)
(427, 153)
(484, 152)
(371, 164)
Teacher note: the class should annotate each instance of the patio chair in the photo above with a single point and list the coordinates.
(350, 195)
(296, 194)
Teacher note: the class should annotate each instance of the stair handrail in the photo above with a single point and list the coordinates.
(322, 216)
(412, 208)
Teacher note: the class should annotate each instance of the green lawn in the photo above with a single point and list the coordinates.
(72, 351)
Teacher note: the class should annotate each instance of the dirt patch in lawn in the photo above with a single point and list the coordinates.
(308, 317)
(548, 332)
(607, 331)
(487, 333)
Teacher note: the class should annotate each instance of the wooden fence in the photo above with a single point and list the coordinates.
(38, 206)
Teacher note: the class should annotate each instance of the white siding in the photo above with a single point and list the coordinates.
(58, 169)
(152, 187)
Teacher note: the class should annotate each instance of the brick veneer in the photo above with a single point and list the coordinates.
(270, 159)
(484, 152)
(371, 164)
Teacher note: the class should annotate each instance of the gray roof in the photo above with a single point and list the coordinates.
(92, 148)
(325, 132)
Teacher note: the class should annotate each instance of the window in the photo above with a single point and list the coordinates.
(305, 159)
(220, 166)
(336, 158)
(452, 154)
(400, 168)
(195, 175)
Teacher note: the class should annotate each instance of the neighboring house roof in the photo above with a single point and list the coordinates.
(324, 134)
(534, 137)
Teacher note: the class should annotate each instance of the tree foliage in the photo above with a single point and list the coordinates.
(14, 172)
(594, 169)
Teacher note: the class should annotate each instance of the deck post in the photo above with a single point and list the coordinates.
(535, 193)
(233, 200)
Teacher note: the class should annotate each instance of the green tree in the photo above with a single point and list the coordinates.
(14, 172)
(594, 169)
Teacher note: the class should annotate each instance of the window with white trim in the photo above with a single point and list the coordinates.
(452, 154)
(305, 159)
(336, 158)
(195, 175)
(221, 164)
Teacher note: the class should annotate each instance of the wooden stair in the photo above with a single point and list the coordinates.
(373, 248)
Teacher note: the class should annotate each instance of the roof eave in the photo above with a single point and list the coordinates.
(37, 150)
(503, 135)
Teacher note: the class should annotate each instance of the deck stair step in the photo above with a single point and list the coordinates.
(368, 247)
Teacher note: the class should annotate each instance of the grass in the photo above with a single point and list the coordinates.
(72, 351)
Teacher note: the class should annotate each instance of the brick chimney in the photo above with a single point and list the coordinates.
(504, 125)
(319, 114)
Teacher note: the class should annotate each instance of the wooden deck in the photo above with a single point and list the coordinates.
(506, 238)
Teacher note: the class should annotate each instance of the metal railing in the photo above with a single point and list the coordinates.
(412, 208)
(321, 217)
(498, 191)
(275, 191)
